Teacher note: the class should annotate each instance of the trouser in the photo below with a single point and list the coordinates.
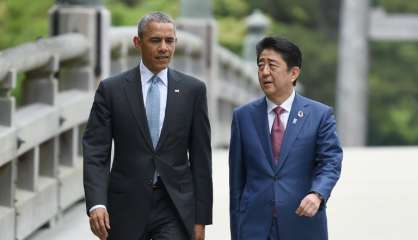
(164, 222)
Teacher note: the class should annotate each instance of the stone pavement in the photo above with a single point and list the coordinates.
(376, 199)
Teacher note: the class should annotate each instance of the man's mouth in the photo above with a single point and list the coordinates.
(267, 82)
(162, 57)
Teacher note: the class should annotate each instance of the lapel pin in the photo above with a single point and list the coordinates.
(294, 120)
(300, 114)
(176, 90)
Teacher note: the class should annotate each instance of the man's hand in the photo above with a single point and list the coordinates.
(199, 232)
(309, 205)
(99, 223)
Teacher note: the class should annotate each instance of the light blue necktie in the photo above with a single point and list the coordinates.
(153, 110)
(153, 114)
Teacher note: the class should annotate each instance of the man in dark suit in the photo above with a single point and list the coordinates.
(160, 184)
(285, 157)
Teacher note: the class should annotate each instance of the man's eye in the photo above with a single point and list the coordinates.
(155, 40)
(170, 40)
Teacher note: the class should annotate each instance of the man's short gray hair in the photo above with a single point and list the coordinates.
(158, 17)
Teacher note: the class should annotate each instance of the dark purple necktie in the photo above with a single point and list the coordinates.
(277, 132)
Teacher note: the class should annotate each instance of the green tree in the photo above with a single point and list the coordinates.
(19, 23)
(393, 94)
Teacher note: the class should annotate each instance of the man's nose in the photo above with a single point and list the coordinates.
(265, 71)
(163, 46)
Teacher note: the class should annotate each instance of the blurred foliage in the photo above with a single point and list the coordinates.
(393, 86)
(396, 6)
(231, 33)
(19, 23)
(322, 15)
(129, 14)
(313, 25)
(230, 8)
(393, 94)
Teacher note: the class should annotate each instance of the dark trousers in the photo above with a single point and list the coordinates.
(274, 230)
(164, 222)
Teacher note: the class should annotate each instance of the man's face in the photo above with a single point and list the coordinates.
(275, 79)
(157, 45)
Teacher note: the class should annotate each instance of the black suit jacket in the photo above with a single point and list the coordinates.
(182, 156)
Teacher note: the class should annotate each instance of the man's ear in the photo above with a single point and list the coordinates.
(137, 41)
(295, 71)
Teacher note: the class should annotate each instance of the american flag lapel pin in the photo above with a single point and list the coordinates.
(177, 90)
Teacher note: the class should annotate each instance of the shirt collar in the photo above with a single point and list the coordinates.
(146, 74)
(286, 105)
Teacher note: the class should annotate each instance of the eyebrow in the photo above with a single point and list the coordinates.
(162, 37)
(269, 60)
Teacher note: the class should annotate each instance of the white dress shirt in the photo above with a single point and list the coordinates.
(286, 105)
(146, 76)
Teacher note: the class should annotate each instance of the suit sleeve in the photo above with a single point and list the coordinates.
(236, 176)
(200, 153)
(329, 156)
(97, 142)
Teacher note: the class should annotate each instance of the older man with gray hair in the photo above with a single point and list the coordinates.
(160, 183)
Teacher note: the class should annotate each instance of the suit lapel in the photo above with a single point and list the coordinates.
(171, 106)
(262, 128)
(300, 112)
(133, 91)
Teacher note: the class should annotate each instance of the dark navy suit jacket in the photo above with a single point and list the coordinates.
(182, 156)
(310, 160)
